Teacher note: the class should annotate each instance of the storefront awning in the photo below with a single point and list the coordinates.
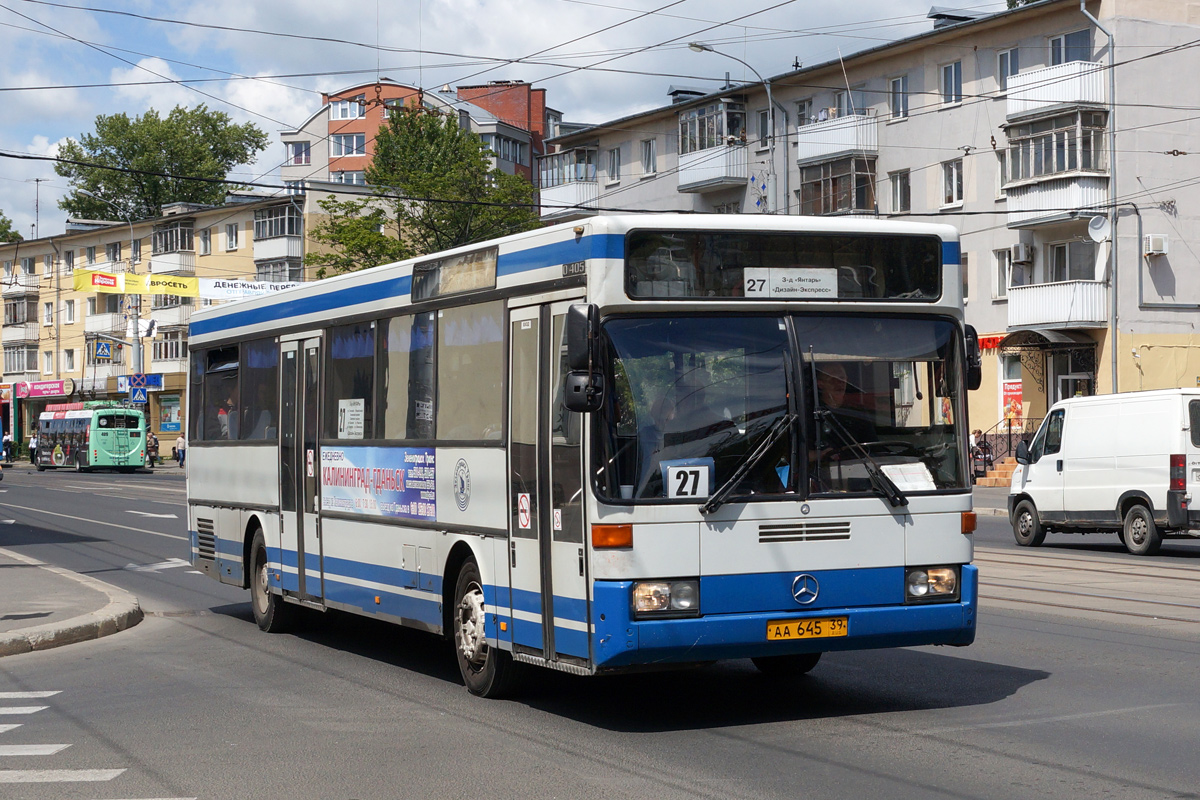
(1045, 340)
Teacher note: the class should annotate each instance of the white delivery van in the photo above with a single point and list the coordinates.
(1117, 462)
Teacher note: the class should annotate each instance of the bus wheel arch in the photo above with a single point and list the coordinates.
(271, 612)
(487, 671)
(253, 525)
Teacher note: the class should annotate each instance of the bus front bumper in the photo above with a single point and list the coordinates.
(622, 641)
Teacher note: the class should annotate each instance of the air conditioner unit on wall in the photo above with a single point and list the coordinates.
(1021, 253)
(1154, 244)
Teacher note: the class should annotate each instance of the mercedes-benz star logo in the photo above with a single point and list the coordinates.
(805, 589)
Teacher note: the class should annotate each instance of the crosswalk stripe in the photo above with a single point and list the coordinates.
(22, 709)
(9, 726)
(28, 695)
(31, 749)
(57, 775)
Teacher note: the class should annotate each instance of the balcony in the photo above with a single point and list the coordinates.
(95, 376)
(720, 167)
(179, 262)
(113, 267)
(1071, 84)
(172, 316)
(1069, 304)
(279, 247)
(855, 134)
(168, 365)
(570, 200)
(21, 332)
(1035, 203)
(20, 283)
(111, 323)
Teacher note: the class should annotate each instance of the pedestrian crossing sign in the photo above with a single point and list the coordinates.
(138, 394)
(103, 350)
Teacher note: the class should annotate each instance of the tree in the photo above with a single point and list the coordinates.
(449, 194)
(7, 232)
(188, 143)
(354, 233)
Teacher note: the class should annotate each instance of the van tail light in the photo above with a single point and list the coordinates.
(1178, 475)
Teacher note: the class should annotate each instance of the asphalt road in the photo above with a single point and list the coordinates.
(1050, 702)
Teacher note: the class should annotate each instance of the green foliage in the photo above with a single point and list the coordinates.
(354, 231)
(428, 157)
(187, 143)
(7, 232)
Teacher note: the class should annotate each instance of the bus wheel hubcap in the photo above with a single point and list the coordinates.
(471, 641)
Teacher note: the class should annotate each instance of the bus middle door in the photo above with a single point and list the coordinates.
(299, 468)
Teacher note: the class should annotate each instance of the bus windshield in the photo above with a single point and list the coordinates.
(693, 397)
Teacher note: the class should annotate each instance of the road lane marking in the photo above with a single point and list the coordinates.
(9, 727)
(1061, 718)
(31, 749)
(28, 695)
(170, 563)
(58, 775)
(175, 536)
(22, 709)
(150, 514)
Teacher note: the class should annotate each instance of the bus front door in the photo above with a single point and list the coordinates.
(547, 555)
(299, 491)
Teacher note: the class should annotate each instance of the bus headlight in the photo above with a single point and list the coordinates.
(666, 598)
(930, 584)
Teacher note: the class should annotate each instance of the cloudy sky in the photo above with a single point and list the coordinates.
(267, 61)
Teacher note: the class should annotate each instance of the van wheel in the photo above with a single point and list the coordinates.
(487, 671)
(271, 613)
(786, 666)
(1027, 528)
(1141, 534)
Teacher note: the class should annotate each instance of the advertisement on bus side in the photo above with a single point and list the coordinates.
(394, 482)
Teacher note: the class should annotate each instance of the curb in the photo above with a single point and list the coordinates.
(121, 612)
(992, 512)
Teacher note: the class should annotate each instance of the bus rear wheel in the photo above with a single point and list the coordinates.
(487, 671)
(786, 666)
(271, 613)
(79, 467)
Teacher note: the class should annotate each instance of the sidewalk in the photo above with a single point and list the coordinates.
(991, 500)
(43, 606)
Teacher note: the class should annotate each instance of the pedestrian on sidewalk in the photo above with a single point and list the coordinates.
(152, 447)
(8, 447)
(181, 448)
(33, 440)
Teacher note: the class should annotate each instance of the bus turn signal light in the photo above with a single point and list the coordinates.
(610, 536)
(968, 521)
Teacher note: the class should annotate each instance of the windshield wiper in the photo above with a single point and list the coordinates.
(882, 483)
(778, 428)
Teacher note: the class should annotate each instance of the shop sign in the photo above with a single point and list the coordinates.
(45, 388)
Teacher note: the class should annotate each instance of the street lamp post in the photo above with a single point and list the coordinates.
(703, 48)
(137, 306)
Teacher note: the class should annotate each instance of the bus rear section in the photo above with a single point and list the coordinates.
(117, 440)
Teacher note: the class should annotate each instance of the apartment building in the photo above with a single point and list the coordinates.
(64, 345)
(1001, 125)
(337, 142)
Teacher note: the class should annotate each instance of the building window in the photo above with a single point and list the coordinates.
(298, 153)
(568, 167)
(614, 165)
(901, 191)
(47, 362)
(20, 358)
(353, 108)
(850, 102)
(952, 182)
(1008, 64)
(764, 128)
(713, 125)
(90, 254)
(135, 250)
(898, 96)
(1074, 46)
(69, 260)
(47, 264)
(170, 346)
(69, 360)
(173, 237)
(728, 208)
(1002, 259)
(649, 157)
(804, 113)
(231, 236)
(205, 239)
(1071, 261)
(1060, 144)
(27, 266)
(1001, 173)
(838, 186)
(281, 271)
(293, 187)
(951, 83)
(8, 269)
(20, 311)
(68, 316)
(349, 144)
(112, 252)
(278, 221)
(170, 301)
(47, 313)
(358, 177)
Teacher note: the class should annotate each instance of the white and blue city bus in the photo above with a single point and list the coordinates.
(627, 441)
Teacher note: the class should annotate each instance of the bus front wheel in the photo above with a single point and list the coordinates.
(487, 671)
(786, 666)
(271, 613)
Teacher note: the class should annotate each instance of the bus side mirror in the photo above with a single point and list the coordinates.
(1022, 454)
(974, 362)
(584, 392)
(583, 332)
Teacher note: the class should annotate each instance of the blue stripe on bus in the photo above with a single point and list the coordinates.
(606, 245)
(951, 253)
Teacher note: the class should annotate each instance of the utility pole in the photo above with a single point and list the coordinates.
(37, 201)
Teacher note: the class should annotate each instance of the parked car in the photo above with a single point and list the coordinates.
(1118, 462)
